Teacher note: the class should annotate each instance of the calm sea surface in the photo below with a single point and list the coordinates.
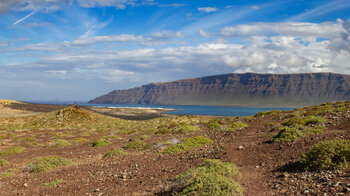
(182, 109)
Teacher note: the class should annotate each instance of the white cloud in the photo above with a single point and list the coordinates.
(54, 5)
(203, 33)
(156, 38)
(256, 7)
(120, 4)
(295, 29)
(208, 9)
(172, 5)
(33, 5)
(342, 42)
(267, 48)
(290, 47)
(108, 38)
(323, 9)
(166, 34)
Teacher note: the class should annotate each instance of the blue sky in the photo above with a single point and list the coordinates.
(78, 49)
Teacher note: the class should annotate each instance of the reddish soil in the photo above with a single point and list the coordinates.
(266, 168)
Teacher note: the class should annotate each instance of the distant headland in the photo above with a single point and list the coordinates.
(247, 89)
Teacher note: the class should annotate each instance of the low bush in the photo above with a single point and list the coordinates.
(114, 137)
(78, 140)
(315, 130)
(3, 162)
(214, 124)
(53, 183)
(188, 144)
(43, 164)
(238, 125)
(294, 121)
(9, 172)
(328, 155)
(101, 142)
(137, 144)
(60, 143)
(260, 114)
(174, 127)
(213, 177)
(311, 120)
(12, 150)
(186, 128)
(287, 134)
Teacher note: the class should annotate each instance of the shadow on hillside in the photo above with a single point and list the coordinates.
(145, 116)
(32, 107)
(294, 167)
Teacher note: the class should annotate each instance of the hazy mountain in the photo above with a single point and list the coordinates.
(249, 89)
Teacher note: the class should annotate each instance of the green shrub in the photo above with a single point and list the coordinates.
(287, 134)
(296, 120)
(101, 142)
(260, 114)
(173, 124)
(3, 162)
(26, 144)
(214, 124)
(12, 150)
(188, 144)
(328, 155)
(78, 140)
(213, 177)
(60, 143)
(115, 153)
(29, 139)
(114, 137)
(311, 120)
(185, 127)
(315, 130)
(126, 131)
(273, 112)
(138, 145)
(9, 172)
(163, 130)
(238, 125)
(175, 127)
(43, 164)
(54, 183)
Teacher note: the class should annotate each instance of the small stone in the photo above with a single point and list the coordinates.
(306, 191)
(25, 184)
(284, 175)
(96, 190)
(240, 147)
(336, 184)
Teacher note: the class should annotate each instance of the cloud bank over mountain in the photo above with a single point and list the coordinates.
(75, 53)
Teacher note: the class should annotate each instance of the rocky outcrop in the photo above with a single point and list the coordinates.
(249, 89)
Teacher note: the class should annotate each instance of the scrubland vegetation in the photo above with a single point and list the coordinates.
(73, 137)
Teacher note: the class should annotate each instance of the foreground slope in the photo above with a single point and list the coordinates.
(248, 89)
(74, 151)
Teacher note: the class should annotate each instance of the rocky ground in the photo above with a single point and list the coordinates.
(266, 167)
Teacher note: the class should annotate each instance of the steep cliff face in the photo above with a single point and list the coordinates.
(248, 89)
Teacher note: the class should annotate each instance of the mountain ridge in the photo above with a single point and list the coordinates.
(247, 89)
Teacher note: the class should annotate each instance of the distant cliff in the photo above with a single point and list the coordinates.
(249, 89)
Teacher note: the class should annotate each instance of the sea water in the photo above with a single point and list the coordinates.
(183, 109)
